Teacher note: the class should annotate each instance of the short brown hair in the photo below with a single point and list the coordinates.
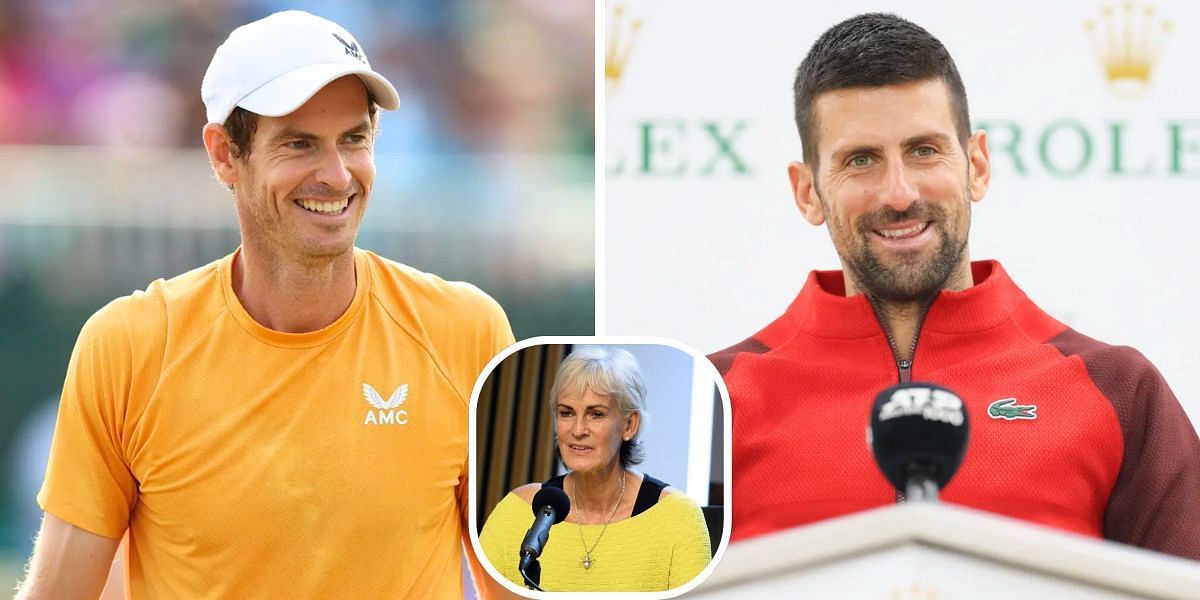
(242, 124)
(873, 50)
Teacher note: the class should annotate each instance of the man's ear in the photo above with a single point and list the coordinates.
(804, 191)
(980, 174)
(220, 153)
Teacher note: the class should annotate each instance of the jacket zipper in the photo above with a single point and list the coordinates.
(903, 366)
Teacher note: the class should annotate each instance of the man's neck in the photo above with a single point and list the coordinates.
(902, 319)
(290, 296)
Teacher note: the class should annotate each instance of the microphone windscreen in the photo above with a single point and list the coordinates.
(918, 424)
(556, 499)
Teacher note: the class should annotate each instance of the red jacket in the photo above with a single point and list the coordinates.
(1109, 452)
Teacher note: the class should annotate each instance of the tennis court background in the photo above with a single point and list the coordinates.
(485, 173)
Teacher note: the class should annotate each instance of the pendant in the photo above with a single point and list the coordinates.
(587, 561)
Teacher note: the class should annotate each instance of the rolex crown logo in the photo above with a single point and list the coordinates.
(622, 37)
(1128, 41)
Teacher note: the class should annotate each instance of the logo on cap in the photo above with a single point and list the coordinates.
(351, 48)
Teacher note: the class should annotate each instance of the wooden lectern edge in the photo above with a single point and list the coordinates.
(966, 531)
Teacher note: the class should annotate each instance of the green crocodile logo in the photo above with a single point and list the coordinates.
(1008, 409)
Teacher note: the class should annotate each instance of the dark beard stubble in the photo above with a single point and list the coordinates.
(904, 282)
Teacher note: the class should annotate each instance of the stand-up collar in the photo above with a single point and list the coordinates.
(823, 310)
(988, 303)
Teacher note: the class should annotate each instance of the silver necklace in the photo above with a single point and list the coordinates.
(588, 561)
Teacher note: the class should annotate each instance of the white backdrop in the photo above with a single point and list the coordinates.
(1094, 207)
(674, 391)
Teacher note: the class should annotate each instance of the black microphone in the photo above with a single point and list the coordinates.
(919, 435)
(550, 507)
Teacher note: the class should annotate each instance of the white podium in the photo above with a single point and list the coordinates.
(922, 551)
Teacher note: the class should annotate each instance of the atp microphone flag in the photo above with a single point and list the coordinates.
(918, 433)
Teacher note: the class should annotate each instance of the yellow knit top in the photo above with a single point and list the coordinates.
(661, 548)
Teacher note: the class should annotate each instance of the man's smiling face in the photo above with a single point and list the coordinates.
(304, 185)
(894, 186)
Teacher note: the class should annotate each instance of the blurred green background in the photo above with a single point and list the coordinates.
(485, 174)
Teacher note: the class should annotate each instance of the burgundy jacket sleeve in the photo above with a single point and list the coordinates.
(1155, 503)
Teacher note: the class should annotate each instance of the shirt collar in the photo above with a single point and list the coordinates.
(823, 310)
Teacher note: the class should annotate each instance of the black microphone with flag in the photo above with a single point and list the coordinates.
(918, 434)
(550, 507)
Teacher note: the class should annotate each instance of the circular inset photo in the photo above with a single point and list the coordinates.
(599, 464)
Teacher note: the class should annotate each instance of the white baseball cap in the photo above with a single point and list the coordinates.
(275, 64)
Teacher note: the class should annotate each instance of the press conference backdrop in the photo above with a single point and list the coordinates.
(1093, 115)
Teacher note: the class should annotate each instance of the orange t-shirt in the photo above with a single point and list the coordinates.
(246, 462)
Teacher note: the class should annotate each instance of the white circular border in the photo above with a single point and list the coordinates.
(472, 458)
